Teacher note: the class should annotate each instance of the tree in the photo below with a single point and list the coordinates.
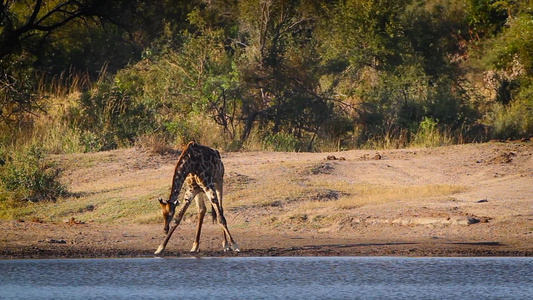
(280, 67)
(58, 35)
(22, 20)
(22, 25)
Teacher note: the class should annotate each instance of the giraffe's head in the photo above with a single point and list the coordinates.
(168, 208)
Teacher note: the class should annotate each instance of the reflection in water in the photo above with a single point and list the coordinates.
(268, 278)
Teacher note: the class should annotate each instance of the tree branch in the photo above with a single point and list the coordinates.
(34, 14)
(68, 11)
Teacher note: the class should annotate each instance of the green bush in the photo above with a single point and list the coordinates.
(429, 135)
(513, 121)
(27, 175)
(110, 116)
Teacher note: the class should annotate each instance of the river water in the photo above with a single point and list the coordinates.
(268, 278)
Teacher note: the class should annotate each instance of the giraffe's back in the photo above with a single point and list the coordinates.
(205, 162)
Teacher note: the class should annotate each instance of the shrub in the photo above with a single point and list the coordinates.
(110, 116)
(513, 121)
(27, 175)
(429, 135)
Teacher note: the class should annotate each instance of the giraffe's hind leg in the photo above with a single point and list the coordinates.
(212, 195)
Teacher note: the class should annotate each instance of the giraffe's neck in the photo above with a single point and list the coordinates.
(181, 172)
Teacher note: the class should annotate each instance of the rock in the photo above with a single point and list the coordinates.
(504, 158)
(472, 220)
(73, 221)
(482, 201)
(326, 195)
(333, 157)
(54, 241)
(324, 168)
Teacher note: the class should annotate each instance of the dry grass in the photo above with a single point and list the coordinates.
(355, 196)
(153, 143)
(299, 195)
(120, 186)
(315, 205)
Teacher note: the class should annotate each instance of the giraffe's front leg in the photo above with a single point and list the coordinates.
(175, 224)
(201, 213)
(225, 244)
(162, 247)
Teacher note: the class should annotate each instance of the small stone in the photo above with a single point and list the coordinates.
(482, 201)
(333, 157)
(472, 220)
(54, 241)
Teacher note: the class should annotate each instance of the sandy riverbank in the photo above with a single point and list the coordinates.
(465, 200)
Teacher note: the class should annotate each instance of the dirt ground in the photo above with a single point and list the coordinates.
(465, 200)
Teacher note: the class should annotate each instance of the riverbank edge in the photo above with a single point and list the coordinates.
(310, 251)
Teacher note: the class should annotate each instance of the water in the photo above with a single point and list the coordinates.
(268, 278)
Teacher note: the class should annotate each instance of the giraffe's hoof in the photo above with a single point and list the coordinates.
(195, 248)
(160, 250)
(226, 246)
(235, 247)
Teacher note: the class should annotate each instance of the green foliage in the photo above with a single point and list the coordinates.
(512, 51)
(514, 120)
(27, 175)
(18, 87)
(429, 135)
(426, 27)
(183, 130)
(108, 116)
(281, 75)
(85, 34)
(487, 17)
(509, 56)
(365, 32)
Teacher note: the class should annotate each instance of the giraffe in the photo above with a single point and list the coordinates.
(202, 171)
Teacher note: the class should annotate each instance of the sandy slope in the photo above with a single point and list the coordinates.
(472, 199)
